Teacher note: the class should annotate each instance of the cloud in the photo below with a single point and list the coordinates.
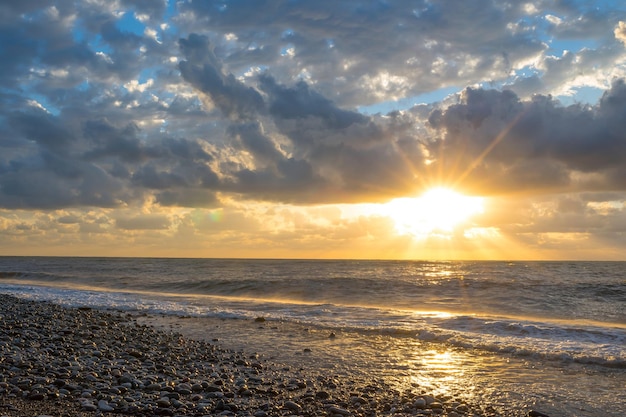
(203, 70)
(304, 148)
(107, 108)
(143, 222)
(620, 32)
(302, 102)
(501, 143)
(575, 23)
(331, 153)
(187, 197)
(41, 127)
(364, 52)
(52, 183)
(154, 9)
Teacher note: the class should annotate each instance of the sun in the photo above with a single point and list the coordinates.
(437, 211)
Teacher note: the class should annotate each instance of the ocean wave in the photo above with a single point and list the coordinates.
(562, 341)
(43, 277)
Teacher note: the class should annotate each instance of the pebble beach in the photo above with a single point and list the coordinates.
(58, 361)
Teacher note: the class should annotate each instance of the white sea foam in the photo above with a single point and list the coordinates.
(556, 341)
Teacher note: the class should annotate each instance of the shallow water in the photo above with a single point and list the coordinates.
(544, 335)
(507, 384)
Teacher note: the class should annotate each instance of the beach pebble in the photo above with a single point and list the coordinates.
(419, 403)
(435, 405)
(322, 395)
(50, 357)
(153, 387)
(358, 400)
(36, 396)
(533, 413)
(103, 405)
(338, 410)
(88, 406)
(292, 406)
(163, 402)
(183, 389)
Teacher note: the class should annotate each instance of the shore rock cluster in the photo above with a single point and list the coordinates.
(62, 362)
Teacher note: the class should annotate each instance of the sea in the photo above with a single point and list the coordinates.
(508, 336)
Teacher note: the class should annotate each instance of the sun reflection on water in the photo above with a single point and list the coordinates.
(440, 371)
(483, 381)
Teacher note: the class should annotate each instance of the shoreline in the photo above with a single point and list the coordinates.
(83, 362)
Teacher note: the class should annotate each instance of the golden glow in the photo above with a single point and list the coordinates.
(439, 371)
(437, 211)
(400, 229)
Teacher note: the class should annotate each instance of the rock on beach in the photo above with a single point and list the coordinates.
(85, 362)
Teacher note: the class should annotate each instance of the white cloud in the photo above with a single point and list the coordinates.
(142, 17)
(620, 32)
(105, 57)
(152, 34)
(530, 8)
(52, 12)
(37, 105)
(135, 85)
(555, 20)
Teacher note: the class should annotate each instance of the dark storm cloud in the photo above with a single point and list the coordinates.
(508, 144)
(38, 126)
(252, 139)
(124, 143)
(171, 172)
(53, 162)
(187, 197)
(290, 180)
(203, 70)
(43, 38)
(110, 141)
(16, 55)
(277, 175)
(150, 176)
(41, 169)
(332, 155)
(51, 182)
(301, 102)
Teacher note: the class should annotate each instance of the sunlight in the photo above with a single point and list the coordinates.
(438, 210)
(439, 370)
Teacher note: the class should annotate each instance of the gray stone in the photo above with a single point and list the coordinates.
(322, 395)
(89, 407)
(103, 405)
(163, 402)
(292, 406)
(419, 403)
(339, 410)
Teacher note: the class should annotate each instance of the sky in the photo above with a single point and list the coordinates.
(313, 129)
